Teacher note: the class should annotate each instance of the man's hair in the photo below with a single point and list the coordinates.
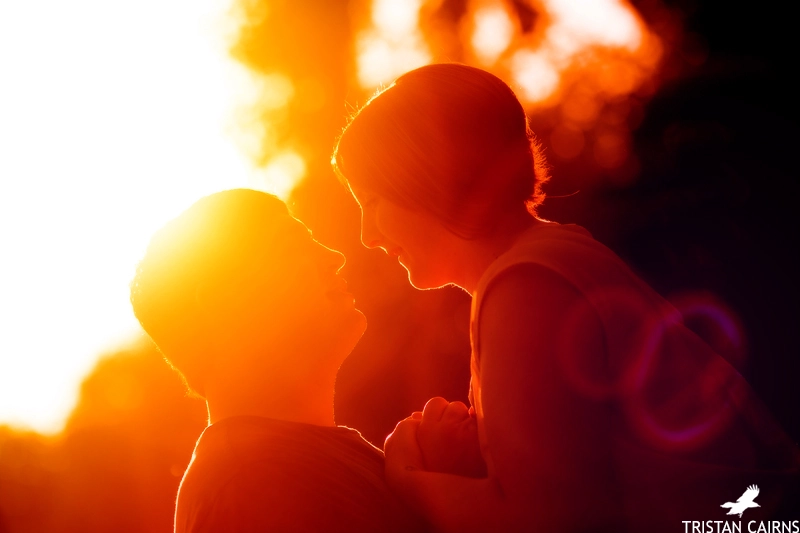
(207, 250)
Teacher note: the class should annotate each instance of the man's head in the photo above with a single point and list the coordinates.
(235, 282)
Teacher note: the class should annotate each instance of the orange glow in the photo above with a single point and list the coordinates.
(581, 107)
(285, 90)
(492, 32)
(589, 36)
(281, 175)
(264, 100)
(116, 116)
(610, 150)
(604, 39)
(567, 141)
(392, 44)
(114, 119)
(536, 75)
(572, 56)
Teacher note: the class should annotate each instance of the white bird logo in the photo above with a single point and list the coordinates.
(744, 502)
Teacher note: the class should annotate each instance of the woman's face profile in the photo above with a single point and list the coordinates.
(415, 238)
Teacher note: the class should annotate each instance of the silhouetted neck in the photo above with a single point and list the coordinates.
(291, 397)
(478, 254)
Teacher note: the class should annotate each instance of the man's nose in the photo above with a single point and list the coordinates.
(335, 259)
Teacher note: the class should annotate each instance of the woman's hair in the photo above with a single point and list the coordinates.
(214, 249)
(447, 139)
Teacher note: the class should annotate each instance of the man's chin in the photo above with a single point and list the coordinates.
(359, 327)
(345, 334)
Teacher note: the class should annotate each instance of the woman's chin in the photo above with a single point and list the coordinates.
(356, 326)
(424, 283)
(360, 327)
(423, 279)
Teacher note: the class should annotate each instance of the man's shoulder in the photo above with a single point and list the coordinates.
(282, 478)
(263, 455)
(258, 495)
(284, 495)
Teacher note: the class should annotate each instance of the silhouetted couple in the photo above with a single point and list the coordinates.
(593, 407)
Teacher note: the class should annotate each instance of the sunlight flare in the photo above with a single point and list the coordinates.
(281, 175)
(392, 44)
(112, 124)
(492, 33)
(600, 44)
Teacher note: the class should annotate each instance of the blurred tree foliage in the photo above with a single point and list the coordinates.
(417, 343)
(117, 464)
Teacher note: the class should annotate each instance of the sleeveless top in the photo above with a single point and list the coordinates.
(688, 432)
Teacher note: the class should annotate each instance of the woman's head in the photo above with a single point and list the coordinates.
(235, 279)
(449, 140)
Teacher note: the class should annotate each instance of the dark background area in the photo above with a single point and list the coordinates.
(707, 207)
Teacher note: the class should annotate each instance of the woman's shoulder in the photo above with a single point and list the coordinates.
(566, 256)
(567, 250)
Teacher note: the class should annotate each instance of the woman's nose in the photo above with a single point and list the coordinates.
(370, 236)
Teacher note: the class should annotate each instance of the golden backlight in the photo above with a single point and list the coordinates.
(392, 44)
(492, 32)
(579, 60)
(115, 117)
(600, 41)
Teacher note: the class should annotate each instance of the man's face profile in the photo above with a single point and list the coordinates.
(291, 292)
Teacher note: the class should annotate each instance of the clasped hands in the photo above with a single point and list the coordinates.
(442, 438)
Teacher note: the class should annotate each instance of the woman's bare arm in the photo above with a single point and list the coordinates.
(548, 446)
(548, 441)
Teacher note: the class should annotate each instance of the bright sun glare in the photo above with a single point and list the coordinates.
(588, 63)
(600, 38)
(114, 116)
(393, 44)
